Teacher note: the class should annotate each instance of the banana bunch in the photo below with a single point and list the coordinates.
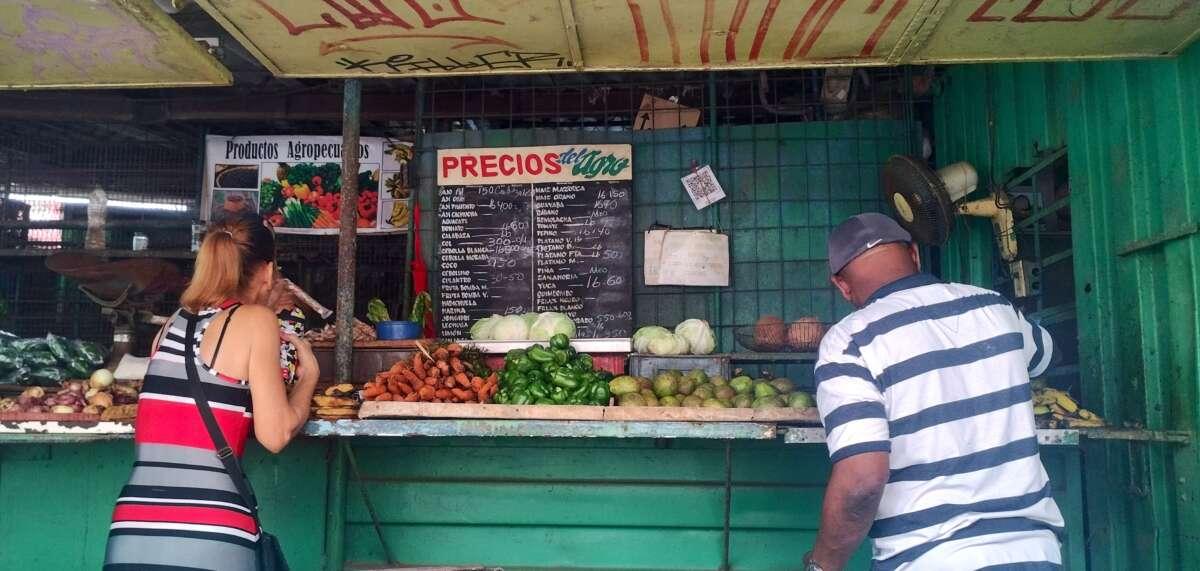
(339, 401)
(1056, 409)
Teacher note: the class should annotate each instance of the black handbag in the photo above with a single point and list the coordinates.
(270, 554)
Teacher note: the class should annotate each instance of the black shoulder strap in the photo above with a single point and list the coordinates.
(221, 338)
(224, 452)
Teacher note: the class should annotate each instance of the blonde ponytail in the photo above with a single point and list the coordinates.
(231, 250)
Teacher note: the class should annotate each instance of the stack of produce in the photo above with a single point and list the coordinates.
(338, 401)
(691, 337)
(451, 373)
(525, 327)
(772, 333)
(552, 375)
(1053, 408)
(46, 361)
(695, 389)
(98, 395)
(309, 195)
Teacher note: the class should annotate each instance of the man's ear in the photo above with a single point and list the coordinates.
(843, 286)
(915, 253)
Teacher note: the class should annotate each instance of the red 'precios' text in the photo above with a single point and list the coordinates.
(507, 164)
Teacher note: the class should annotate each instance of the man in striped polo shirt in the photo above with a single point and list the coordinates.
(924, 393)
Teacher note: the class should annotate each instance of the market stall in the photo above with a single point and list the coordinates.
(570, 321)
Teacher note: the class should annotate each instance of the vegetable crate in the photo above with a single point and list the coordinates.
(611, 362)
(650, 365)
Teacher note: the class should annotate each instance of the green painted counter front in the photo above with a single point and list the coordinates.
(520, 503)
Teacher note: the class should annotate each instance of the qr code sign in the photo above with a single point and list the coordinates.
(703, 187)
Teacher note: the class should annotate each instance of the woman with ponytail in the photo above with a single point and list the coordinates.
(183, 508)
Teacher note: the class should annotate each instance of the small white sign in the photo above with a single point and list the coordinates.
(686, 258)
(703, 187)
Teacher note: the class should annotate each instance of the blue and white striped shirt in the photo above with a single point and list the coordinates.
(937, 374)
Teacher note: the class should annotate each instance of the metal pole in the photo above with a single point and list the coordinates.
(347, 233)
(335, 518)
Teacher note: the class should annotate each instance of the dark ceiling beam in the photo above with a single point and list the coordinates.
(314, 106)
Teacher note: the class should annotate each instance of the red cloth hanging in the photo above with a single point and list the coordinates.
(420, 273)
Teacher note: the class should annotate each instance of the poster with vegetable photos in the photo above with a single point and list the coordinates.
(295, 182)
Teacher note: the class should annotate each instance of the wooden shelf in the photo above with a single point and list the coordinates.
(754, 357)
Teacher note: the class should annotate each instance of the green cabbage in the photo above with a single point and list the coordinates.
(549, 324)
(700, 337)
(483, 329)
(667, 344)
(643, 336)
(510, 328)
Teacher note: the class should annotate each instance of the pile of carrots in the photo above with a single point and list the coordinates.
(439, 377)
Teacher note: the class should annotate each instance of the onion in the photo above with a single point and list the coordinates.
(92, 409)
(74, 386)
(62, 409)
(33, 392)
(102, 378)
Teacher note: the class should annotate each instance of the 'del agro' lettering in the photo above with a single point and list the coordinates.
(299, 151)
(590, 164)
(251, 150)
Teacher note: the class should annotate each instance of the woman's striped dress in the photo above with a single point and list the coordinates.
(180, 509)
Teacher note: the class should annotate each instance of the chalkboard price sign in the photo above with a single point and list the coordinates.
(537, 229)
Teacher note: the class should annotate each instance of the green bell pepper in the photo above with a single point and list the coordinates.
(560, 341)
(539, 354)
(544, 401)
(565, 379)
(600, 394)
(537, 391)
(559, 395)
(520, 397)
(537, 376)
(560, 356)
(513, 355)
(584, 361)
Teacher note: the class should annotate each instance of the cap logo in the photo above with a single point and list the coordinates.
(873, 243)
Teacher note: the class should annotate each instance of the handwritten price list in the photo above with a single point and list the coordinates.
(566, 247)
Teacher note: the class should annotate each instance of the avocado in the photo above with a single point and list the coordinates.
(714, 403)
(665, 384)
(764, 389)
(624, 384)
(686, 386)
(692, 401)
(783, 385)
(697, 375)
(767, 402)
(724, 393)
(650, 398)
(704, 392)
(718, 381)
(801, 399)
(743, 401)
(742, 385)
(631, 399)
(669, 400)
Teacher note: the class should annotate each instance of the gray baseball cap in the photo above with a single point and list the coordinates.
(859, 234)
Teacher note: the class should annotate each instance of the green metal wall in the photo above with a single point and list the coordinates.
(1133, 136)
(520, 503)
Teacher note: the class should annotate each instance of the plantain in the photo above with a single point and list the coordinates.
(344, 389)
(1041, 410)
(1087, 414)
(337, 412)
(334, 402)
(1066, 402)
(1081, 423)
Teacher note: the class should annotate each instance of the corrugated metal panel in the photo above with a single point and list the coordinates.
(1133, 136)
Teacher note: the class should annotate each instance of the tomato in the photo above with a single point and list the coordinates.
(316, 180)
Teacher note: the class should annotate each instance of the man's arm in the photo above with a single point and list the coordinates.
(851, 501)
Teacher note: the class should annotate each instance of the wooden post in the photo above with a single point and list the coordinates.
(347, 233)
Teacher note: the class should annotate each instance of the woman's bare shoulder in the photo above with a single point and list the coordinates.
(256, 316)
